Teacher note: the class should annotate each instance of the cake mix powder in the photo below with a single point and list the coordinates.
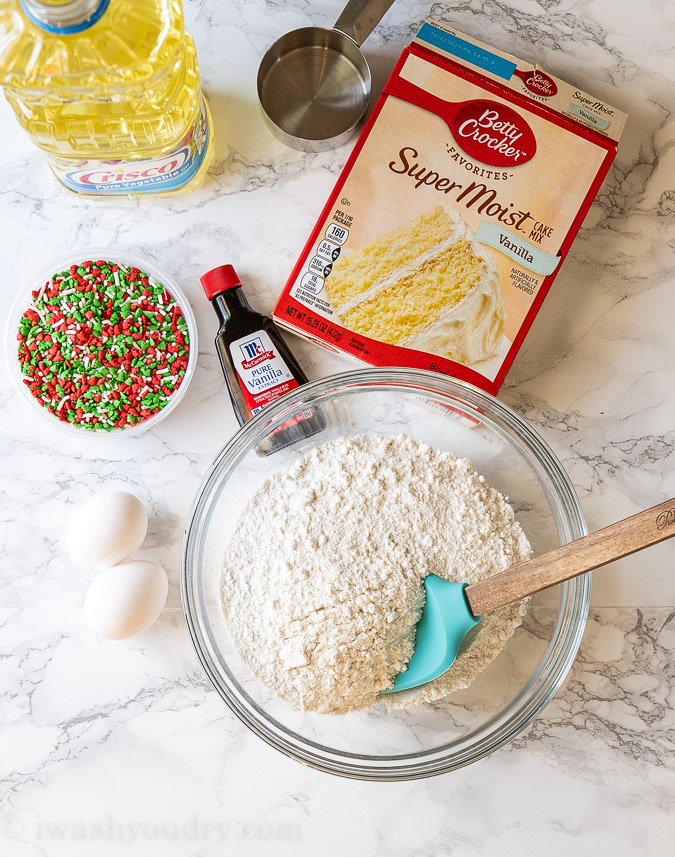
(322, 581)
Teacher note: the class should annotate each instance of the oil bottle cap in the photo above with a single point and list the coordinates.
(219, 279)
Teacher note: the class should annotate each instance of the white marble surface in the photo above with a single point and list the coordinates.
(112, 748)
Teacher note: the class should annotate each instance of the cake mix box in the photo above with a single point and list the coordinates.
(454, 212)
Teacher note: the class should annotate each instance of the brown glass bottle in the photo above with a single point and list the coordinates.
(258, 366)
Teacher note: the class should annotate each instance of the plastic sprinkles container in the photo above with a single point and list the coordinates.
(117, 343)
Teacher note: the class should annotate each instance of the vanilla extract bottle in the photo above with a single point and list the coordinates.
(258, 366)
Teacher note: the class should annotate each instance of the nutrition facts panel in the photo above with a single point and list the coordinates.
(309, 287)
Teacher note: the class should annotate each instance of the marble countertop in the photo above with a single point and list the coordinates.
(113, 748)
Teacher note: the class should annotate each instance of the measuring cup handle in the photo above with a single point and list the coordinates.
(360, 17)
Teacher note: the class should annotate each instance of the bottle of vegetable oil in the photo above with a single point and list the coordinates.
(109, 90)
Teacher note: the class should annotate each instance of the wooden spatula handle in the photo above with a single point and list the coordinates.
(613, 542)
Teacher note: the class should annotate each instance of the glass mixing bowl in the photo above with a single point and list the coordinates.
(379, 743)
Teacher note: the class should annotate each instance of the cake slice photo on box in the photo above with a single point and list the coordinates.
(428, 285)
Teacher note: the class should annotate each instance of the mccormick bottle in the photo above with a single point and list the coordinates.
(109, 90)
(258, 365)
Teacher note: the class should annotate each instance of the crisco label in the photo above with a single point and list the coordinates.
(112, 176)
(172, 171)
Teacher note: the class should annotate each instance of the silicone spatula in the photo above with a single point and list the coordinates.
(452, 610)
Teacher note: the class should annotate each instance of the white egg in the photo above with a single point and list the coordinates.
(126, 599)
(107, 529)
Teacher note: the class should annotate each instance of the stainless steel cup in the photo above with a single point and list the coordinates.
(314, 83)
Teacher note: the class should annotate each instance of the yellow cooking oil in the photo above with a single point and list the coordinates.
(109, 90)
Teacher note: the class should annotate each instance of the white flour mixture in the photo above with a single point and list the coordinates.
(322, 578)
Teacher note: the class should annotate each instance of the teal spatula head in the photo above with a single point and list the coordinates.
(447, 618)
(443, 625)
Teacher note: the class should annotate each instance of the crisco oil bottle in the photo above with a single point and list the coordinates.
(109, 90)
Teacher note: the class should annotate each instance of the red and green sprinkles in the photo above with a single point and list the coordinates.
(103, 346)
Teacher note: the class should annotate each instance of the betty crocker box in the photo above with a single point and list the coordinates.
(454, 212)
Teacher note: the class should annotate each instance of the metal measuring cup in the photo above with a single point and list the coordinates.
(314, 83)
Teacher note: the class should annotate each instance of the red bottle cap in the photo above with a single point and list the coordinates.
(219, 279)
